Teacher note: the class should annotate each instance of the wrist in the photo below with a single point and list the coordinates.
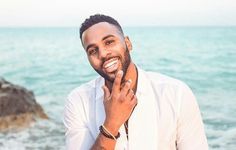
(105, 132)
(114, 129)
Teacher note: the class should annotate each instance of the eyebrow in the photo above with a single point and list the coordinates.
(91, 45)
(108, 36)
(104, 38)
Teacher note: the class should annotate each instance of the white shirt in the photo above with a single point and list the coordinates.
(167, 116)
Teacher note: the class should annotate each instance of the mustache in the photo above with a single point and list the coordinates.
(108, 58)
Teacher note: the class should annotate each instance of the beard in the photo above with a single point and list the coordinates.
(124, 67)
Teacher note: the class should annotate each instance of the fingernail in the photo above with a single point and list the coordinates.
(120, 72)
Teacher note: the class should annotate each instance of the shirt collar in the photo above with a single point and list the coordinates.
(99, 93)
(142, 82)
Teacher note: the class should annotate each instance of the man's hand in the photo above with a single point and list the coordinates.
(118, 104)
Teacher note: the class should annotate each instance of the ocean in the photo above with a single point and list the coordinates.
(51, 62)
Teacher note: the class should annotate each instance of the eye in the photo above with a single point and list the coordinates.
(92, 51)
(109, 42)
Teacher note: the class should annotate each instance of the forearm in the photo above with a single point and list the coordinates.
(103, 143)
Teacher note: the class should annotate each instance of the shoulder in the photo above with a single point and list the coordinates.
(85, 88)
(84, 93)
(172, 90)
(162, 80)
(167, 88)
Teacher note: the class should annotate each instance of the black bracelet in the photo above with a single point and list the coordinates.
(108, 134)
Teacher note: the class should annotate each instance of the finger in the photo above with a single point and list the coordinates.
(126, 87)
(134, 101)
(106, 92)
(130, 94)
(117, 82)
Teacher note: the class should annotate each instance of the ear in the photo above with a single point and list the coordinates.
(128, 43)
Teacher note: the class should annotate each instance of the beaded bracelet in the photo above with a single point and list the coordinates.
(108, 134)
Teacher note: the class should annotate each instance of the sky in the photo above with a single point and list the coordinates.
(63, 13)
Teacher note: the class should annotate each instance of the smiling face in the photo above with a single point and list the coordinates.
(107, 49)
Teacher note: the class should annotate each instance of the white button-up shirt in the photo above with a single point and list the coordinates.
(167, 116)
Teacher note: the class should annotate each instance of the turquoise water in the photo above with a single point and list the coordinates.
(51, 62)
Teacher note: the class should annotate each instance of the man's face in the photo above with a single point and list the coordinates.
(107, 49)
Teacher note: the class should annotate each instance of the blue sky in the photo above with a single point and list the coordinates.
(127, 12)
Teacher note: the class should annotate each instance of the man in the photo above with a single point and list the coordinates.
(126, 107)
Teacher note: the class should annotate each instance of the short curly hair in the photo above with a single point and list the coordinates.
(97, 18)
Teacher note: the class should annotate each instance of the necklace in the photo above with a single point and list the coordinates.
(126, 129)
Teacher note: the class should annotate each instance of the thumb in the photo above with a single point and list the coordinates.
(106, 92)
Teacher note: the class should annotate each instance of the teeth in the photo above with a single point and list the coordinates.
(110, 64)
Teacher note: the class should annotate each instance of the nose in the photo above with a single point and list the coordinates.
(103, 53)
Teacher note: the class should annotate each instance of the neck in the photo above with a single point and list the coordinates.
(130, 74)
